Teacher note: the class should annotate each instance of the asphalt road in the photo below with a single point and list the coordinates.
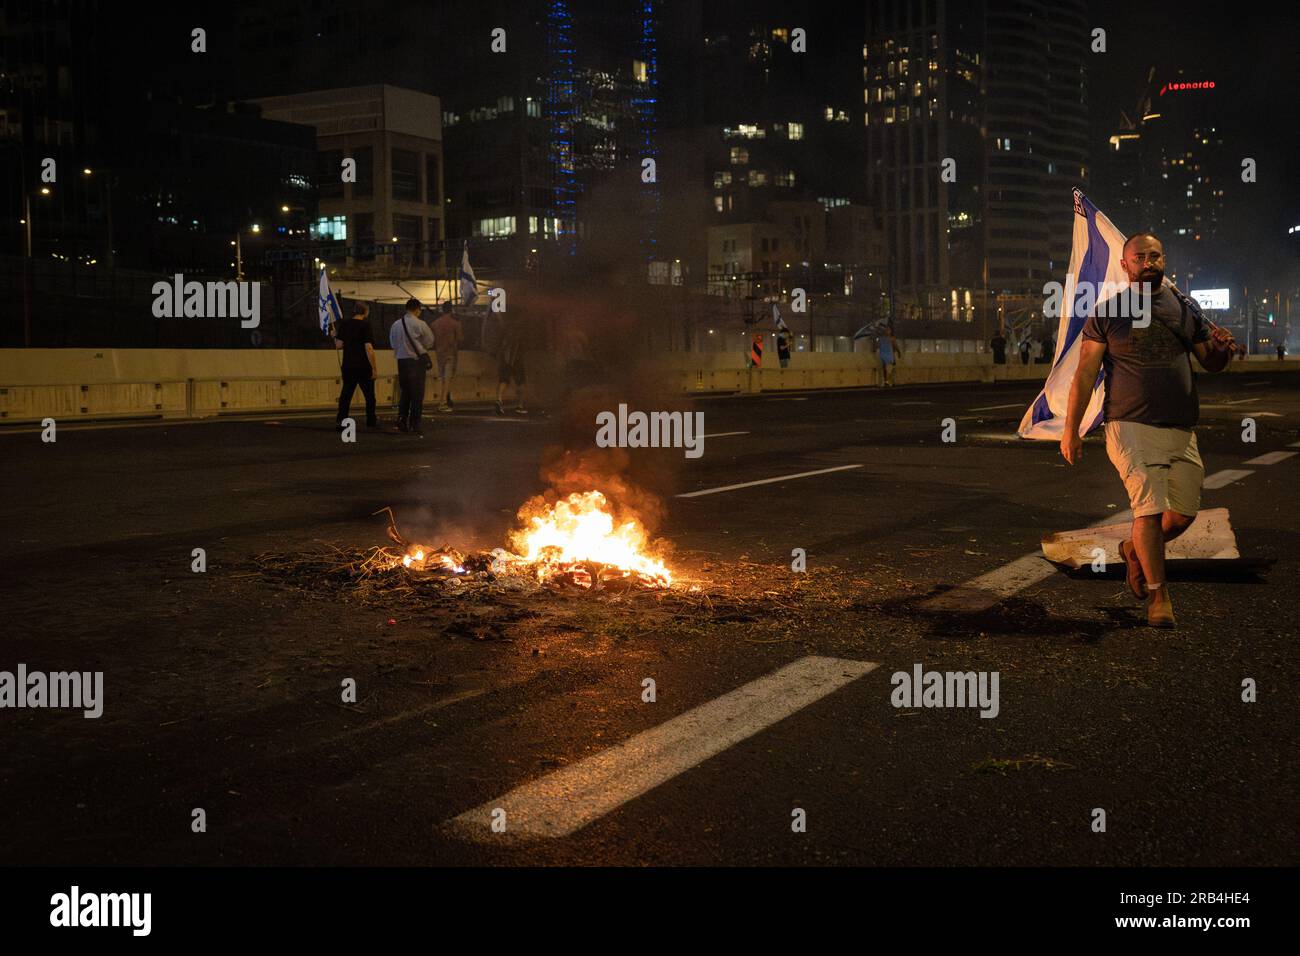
(222, 692)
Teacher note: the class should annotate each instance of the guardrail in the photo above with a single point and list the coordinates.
(112, 386)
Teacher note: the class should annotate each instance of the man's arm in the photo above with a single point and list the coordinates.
(1215, 352)
(370, 354)
(1090, 356)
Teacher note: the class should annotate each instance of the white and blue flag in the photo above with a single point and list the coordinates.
(327, 304)
(1094, 260)
(776, 318)
(468, 284)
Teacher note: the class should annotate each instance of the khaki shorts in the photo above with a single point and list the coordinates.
(1161, 467)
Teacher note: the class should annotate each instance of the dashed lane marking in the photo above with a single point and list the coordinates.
(1271, 458)
(1226, 477)
(568, 799)
(766, 481)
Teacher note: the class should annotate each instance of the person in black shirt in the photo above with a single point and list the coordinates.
(358, 344)
(999, 346)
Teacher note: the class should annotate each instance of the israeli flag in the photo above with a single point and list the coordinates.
(1094, 259)
(327, 304)
(776, 318)
(468, 284)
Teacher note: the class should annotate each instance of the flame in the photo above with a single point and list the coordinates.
(581, 529)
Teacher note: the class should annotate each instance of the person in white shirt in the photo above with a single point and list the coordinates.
(411, 339)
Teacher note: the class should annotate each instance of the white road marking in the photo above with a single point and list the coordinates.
(724, 434)
(990, 408)
(568, 799)
(766, 481)
(981, 593)
(995, 436)
(910, 403)
(1240, 401)
(1271, 458)
(1294, 444)
(1226, 477)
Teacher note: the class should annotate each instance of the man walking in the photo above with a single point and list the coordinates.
(411, 339)
(448, 334)
(1151, 409)
(357, 343)
(510, 364)
(999, 346)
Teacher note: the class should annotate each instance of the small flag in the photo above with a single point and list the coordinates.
(870, 329)
(327, 304)
(776, 317)
(468, 284)
(1094, 259)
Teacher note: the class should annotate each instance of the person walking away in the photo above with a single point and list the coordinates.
(888, 354)
(1024, 350)
(510, 364)
(1281, 351)
(1151, 410)
(448, 334)
(357, 343)
(783, 348)
(999, 346)
(411, 339)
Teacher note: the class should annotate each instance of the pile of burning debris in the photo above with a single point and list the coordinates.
(574, 542)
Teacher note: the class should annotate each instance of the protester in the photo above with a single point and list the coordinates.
(888, 353)
(411, 339)
(1281, 351)
(1024, 350)
(999, 346)
(783, 347)
(510, 363)
(1151, 410)
(448, 334)
(357, 343)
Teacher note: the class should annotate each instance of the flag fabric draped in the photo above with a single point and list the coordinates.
(1094, 259)
(327, 304)
(776, 318)
(468, 284)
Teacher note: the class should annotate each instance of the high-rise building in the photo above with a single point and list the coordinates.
(923, 74)
(976, 134)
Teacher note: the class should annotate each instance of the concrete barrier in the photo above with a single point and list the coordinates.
(195, 383)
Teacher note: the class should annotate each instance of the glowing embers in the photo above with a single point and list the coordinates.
(577, 540)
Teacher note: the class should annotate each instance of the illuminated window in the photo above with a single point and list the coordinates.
(757, 178)
(639, 71)
(717, 203)
(721, 179)
(329, 228)
(495, 227)
(739, 156)
(796, 130)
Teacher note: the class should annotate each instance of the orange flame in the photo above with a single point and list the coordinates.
(581, 528)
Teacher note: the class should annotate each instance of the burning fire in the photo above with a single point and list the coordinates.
(573, 541)
(580, 530)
